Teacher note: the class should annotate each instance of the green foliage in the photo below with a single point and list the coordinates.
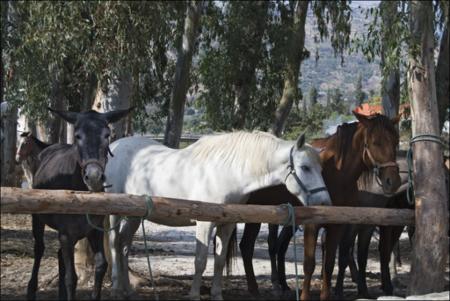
(312, 96)
(360, 95)
(73, 42)
(311, 122)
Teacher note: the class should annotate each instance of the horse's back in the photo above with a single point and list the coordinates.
(58, 169)
(125, 151)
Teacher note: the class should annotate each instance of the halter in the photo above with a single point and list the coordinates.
(292, 172)
(376, 166)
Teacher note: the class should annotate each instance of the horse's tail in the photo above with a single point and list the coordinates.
(231, 251)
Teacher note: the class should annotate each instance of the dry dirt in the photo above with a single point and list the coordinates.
(172, 255)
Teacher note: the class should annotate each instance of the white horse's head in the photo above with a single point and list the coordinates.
(304, 177)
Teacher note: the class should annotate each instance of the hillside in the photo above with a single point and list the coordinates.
(328, 73)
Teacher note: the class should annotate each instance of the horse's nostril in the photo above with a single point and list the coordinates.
(388, 181)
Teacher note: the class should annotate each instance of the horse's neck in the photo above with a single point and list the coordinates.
(276, 172)
(353, 165)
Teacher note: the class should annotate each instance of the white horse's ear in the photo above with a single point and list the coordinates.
(300, 141)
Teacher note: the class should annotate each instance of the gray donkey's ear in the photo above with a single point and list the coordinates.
(114, 116)
(70, 117)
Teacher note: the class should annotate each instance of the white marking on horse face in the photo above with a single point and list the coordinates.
(309, 170)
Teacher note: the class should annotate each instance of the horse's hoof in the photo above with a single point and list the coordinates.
(254, 293)
(218, 297)
(365, 295)
(193, 295)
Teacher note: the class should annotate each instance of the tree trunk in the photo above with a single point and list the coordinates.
(4, 8)
(245, 79)
(442, 83)
(55, 125)
(117, 97)
(294, 58)
(430, 249)
(9, 112)
(8, 144)
(174, 124)
(390, 84)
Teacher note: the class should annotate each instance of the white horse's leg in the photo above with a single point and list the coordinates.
(126, 237)
(222, 239)
(203, 236)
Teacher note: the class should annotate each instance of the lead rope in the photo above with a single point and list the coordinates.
(291, 220)
(103, 229)
(149, 208)
(409, 159)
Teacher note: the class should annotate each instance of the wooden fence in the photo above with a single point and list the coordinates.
(16, 200)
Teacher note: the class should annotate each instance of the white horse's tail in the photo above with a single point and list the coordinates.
(231, 252)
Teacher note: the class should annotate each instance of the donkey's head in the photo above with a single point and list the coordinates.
(91, 140)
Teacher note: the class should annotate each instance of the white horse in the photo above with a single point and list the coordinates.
(221, 169)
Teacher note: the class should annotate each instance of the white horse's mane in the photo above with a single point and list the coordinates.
(245, 151)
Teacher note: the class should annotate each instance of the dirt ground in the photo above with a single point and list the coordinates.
(172, 257)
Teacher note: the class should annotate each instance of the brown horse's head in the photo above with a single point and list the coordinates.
(379, 153)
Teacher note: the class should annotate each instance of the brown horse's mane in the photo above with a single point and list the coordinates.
(339, 143)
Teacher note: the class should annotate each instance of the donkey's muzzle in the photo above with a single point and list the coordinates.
(94, 177)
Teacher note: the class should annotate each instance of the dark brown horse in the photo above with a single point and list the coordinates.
(371, 196)
(354, 149)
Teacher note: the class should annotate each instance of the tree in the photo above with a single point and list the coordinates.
(312, 96)
(360, 95)
(181, 82)
(442, 68)
(430, 191)
(249, 42)
(390, 84)
(10, 21)
(292, 69)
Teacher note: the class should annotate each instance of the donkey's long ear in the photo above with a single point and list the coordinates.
(396, 119)
(70, 117)
(114, 116)
(300, 141)
(362, 118)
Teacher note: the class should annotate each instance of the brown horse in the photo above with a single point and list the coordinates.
(354, 149)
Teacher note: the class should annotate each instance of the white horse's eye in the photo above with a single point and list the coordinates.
(305, 168)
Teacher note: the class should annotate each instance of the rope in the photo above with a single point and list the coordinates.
(149, 208)
(291, 220)
(409, 160)
(102, 229)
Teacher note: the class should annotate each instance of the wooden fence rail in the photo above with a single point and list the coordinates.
(16, 200)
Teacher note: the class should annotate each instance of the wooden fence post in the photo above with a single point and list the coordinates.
(430, 250)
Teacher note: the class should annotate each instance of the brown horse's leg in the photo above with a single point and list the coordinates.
(364, 237)
(389, 235)
(247, 247)
(309, 262)
(282, 246)
(273, 247)
(344, 254)
(334, 234)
